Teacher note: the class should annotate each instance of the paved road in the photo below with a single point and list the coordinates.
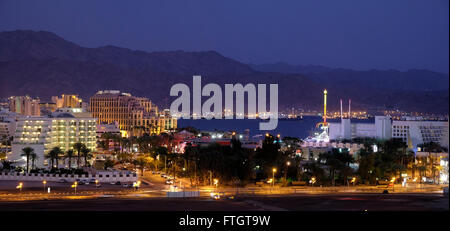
(332, 202)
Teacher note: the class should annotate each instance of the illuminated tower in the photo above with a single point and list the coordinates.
(323, 135)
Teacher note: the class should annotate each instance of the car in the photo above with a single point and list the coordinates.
(117, 183)
(215, 196)
(86, 182)
(92, 181)
(62, 181)
(163, 175)
(169, 182)
(113, 183)
(125, 185)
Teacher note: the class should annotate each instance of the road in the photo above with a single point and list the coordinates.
(332, 202)
(151, 196)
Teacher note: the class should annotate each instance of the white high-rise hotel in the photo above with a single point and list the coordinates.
(413, 132)
(63, 128)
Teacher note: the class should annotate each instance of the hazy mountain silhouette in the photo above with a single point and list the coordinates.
(44, 64)
(414, 79)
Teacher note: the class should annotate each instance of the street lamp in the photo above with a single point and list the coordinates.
(20, 186)
(285, 172)
(353, 180)
(75, 184)
(96, 183)
(216, 182)
(312, 181)
(44, 182)
(274, 170)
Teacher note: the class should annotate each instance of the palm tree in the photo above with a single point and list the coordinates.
(27, 152)
(70, 155)
(34, 157)
(78, 146)
(6, 164)
(53, 155)
(432, 147)
(86, 153)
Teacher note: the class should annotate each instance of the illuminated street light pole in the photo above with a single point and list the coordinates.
(20, 186)
(285, 172)
(312, 181)
(44, 182)
(216, 182)
(75, 184)
(273, 177)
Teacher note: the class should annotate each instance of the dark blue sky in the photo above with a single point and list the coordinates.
(372, 34)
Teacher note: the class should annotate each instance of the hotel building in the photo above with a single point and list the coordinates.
(24, 105)
(66, 101)
(134, 115)
(412, 132)
(418, 132)
(63, 128)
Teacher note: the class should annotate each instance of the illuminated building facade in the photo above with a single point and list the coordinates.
(134, 115)
(72, 101)
(418, 132)
(24, 105)
(63, 129)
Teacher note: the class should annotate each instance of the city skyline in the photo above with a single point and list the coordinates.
(211, 108)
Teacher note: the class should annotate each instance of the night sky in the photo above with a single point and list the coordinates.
(362, 35)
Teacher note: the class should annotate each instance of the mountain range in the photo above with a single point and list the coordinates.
(42, 64)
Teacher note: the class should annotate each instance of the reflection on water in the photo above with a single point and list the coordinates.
(293, 128)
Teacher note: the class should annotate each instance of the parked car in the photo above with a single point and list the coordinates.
(163, 175)
(117, 183)
(92, 181)
(86, 182)
(169, 181)
(62, 181)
